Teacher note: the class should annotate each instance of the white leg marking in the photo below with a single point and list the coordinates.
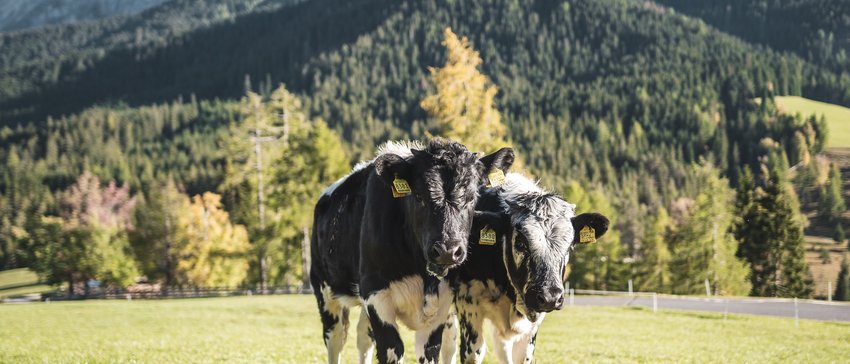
(365, 345)
(449, 349)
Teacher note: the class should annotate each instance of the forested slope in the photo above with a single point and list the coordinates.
(621, 97)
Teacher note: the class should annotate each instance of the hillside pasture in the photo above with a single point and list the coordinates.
(837, 117)
(19, 282)
(287, 329)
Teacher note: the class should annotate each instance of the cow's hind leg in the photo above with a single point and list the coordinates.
(334, 322)
(365, 339)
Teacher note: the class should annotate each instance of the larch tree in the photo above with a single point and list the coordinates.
(463, 103)
(704, 247)
(212, 250)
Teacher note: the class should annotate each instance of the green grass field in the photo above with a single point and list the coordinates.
(18, 282)
(837, 117)
(286, 329)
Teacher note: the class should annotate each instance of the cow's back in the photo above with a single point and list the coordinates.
(335, 245)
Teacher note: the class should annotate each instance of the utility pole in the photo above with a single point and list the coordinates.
(305, 261)
(258, 139)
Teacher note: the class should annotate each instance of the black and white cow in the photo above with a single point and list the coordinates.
(388, 253)
(515, 280)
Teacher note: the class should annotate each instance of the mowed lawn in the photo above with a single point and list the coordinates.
(286, 329)
(837, 117)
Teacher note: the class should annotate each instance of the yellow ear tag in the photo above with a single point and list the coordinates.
(587, 235)
(496, 178)
(488, 236)
(400, 187)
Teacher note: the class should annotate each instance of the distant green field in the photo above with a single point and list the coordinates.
(837, 117)
(287, 329)
(17, 282)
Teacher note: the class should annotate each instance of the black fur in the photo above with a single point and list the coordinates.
(364, 239)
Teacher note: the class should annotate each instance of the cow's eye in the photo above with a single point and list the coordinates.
(521, 244)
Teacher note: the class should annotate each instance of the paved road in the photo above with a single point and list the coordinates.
(773, 307)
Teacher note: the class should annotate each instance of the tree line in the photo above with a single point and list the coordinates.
(620, 104)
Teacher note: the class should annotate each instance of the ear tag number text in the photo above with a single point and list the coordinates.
(587, 235)
(496, 178)
(400, 187)
(487, 236)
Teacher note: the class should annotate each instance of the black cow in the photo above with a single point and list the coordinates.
(374, 248)
(515, 279)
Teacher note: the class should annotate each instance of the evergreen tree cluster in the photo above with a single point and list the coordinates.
(626, 107)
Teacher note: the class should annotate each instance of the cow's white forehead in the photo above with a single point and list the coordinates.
(400, 148)
(525, 193)
(543, 217)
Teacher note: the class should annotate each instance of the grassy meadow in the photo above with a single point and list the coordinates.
(19, 282)
(286, 329)
(837, 117)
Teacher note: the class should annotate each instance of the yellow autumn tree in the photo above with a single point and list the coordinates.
(463, 104)
(212, 252)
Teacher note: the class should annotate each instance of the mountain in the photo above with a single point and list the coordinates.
(24, 14)
(817, 30)
(621, 97)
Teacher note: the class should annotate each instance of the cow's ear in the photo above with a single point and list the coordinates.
(390, 166)
(501, 159)
(496, 221)
(597, 221)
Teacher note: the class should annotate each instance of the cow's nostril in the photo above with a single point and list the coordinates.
(458, 254)
(560, 302)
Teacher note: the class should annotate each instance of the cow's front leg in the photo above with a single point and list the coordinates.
(390, 348)
(431, 297)
(365, 338)
(428, 344)
(471, 323)
(523, 350)
(502, 347)
(449, 347)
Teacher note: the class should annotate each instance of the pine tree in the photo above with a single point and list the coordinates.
(771, 234)
(842, 288)
(838, 234)
(463, 104)
(831, 204)
(653, 268)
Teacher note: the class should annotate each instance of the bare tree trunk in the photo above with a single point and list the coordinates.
(305, 260)
(261, 209)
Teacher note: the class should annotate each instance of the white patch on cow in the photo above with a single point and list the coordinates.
(448, 350)
(400, 148)
(392, 358)
(364, 342)
(404, 300)
(509, 329)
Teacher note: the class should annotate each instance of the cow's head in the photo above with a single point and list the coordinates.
(444, 178)
(540, 230)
